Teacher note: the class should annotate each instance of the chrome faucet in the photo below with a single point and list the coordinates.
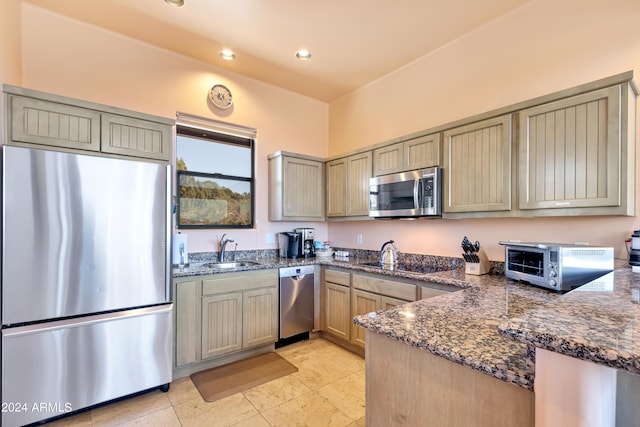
(223, 245)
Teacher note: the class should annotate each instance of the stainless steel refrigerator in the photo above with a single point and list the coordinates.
(86, 294)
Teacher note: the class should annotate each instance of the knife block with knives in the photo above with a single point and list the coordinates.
(476, 260)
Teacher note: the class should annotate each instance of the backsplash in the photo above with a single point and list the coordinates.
(355, 255)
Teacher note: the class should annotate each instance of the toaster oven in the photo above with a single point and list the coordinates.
(556, 266)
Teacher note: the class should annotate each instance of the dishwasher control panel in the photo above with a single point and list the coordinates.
(299, 270)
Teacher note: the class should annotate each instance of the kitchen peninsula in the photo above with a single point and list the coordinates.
(408, 383)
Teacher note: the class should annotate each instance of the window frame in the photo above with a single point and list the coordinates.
(216, 133)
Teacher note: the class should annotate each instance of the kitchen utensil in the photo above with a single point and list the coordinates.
(476, 261)
(389, 253)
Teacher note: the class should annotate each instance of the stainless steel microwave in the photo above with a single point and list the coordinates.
(406, 195)
(557, 266)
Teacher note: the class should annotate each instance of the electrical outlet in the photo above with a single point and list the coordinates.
(270, 238)
(359, 238)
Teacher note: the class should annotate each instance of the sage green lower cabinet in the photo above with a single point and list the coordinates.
(363, 302)
(221, 324)
(372, 293)
(186, 303)
(259, 317)
(336, 291)
(221, 314)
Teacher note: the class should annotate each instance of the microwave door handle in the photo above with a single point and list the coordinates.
(417, 193)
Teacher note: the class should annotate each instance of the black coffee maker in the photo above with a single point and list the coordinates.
(307, 241)
(289, 244)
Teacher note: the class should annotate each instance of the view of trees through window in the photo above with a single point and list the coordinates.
(214, 179)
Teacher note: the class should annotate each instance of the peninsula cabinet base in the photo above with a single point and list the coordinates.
(406, 386)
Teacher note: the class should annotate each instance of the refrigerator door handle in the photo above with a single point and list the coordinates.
(84, 321)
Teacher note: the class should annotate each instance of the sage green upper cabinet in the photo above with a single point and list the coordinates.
(359, 171)
(130, 136)
(336, 186)
(422, 152)
(296, 188)
(348, 185)
(388, 159)
(40, 118)
(576, 153)
(416, 153)
(48, 123)
(477, 166)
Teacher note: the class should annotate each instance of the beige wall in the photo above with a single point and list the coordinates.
(539, 48)
(67, 57)
(10, 66)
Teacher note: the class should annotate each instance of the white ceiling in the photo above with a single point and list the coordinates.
(353, 42)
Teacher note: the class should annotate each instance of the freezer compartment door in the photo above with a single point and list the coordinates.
(82, 234)
(54, 368)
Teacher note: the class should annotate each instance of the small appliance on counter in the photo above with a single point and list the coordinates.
(389, 254)
(634, 252)
(289, 244)
(476, 260)
(323, 249)
(180, 253)
(557, 266)
(307, 245)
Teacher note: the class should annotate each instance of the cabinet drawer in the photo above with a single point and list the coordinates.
(245, 280)
(404, 291)
(339, 277)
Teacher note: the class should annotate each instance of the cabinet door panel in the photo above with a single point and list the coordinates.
(337, 310)
(336, 188)
(359, 170)
(477, 166)
(388, 302)
(303, 188)
(260, 322)
(221, 324)
(570, 151)
(135, 137)
(388, 159)
(422, 152)
(361, 303)
(186, 319)
(42, 122)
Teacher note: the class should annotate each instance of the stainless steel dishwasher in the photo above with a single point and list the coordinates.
(296, 300)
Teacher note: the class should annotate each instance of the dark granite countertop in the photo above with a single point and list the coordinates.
(493, 325)
(598, 322)
(462, 326)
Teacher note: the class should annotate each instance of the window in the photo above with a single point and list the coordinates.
(214, 174)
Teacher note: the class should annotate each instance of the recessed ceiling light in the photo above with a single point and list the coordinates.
(303, 54)
(175, 3)
(227, 54)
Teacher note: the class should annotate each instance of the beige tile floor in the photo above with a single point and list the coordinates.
(327, 390)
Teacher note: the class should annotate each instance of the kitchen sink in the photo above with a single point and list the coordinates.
(231, 264)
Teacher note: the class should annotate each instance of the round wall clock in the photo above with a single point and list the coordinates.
(220, 96)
